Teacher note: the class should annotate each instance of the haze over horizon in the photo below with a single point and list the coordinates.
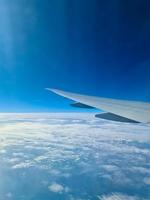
(99, 48)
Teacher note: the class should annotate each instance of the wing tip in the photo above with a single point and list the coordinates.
(56, 91)
(52, 89)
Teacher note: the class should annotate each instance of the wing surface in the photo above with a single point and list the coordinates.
(132, 110)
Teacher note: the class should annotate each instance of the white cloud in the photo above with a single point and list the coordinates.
(3, 151)
(117, 197)
(22, 165)
(56, 188)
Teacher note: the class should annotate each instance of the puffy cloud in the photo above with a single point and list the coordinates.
(57, 188)
(118, 197)
(22, 165)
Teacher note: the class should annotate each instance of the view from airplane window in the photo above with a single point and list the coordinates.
(74, 100)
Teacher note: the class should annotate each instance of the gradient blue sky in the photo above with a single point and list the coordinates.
(94, 47)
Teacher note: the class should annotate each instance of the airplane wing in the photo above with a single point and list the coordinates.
(116, 110)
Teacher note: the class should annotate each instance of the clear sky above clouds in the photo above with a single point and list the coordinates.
(94, 47)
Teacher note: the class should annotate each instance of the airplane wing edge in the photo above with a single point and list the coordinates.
(120, 110)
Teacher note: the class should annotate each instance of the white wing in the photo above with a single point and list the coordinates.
(118, 110)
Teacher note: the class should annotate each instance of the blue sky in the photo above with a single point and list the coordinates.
(94, 47)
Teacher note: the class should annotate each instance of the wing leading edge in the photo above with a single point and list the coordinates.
(117, 110)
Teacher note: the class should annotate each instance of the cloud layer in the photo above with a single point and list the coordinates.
(77, 157)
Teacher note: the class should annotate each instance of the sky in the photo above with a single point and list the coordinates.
(99, 48)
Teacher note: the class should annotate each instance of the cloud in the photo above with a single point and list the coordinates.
(57, 188)
(72, 147)
(22, 165)
(118, 197)
(3, 151)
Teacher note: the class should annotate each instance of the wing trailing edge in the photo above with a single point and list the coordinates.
(119, 110)
(113, 117)
(81, 105)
